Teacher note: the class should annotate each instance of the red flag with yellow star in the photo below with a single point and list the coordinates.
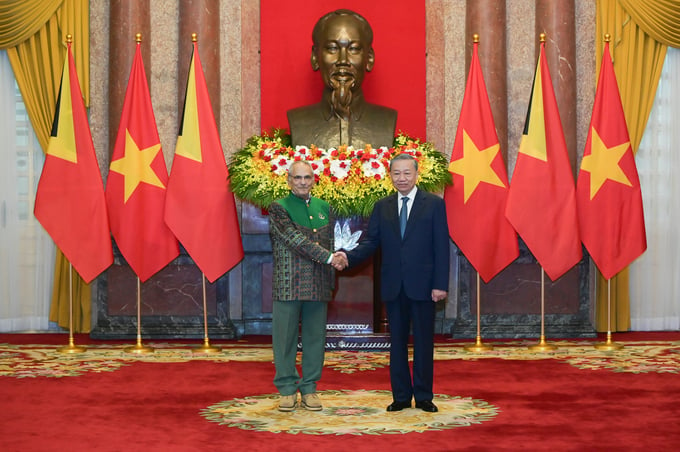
(542, 196)
(609, 200)
(136, 185)
(199, 207)
(70, 201)
(475, 203)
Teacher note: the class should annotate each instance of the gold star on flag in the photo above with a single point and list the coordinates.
(475, 166)
(603, 163)
(135, 166)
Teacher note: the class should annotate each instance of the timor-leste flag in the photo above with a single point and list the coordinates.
(609, 200)
(542, 196)
(70, 200)
(136, 186)
(475, 203)
(199, 207)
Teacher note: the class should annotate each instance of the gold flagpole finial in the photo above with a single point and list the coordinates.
(541, 37)
(475, 38)
(194, 37)
(69, 38)
(138, 38)
(607, 37)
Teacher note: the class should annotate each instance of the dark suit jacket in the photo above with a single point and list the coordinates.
(421, 260)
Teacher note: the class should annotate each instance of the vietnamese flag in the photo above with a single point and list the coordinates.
(70, 202)
(609, 199)
(199, 207)
(542, 198)
(475, 203)
(136, 186)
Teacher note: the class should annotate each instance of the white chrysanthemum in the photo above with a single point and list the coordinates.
(383, 152)
(340, 168)
(280, 166)
(370, 168)
(301, 151)
(317, 166)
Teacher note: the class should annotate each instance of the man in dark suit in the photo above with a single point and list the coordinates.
(411, 231)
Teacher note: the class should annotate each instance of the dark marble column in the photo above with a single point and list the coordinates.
(487, 19)
(203, 18)
(127, 18)
(556, 20)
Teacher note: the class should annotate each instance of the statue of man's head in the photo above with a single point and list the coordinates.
(342, 50)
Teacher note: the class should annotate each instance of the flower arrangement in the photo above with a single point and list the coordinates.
(350, 180)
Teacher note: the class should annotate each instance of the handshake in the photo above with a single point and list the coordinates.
(339, 261)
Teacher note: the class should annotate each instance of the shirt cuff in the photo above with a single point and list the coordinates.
(330, 259)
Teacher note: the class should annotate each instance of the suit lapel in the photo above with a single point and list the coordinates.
(416, 210)
(393, 212)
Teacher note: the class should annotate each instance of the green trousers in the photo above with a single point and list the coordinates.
(286, 319)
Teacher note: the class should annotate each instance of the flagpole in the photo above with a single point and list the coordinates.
(542, 345)
(206, 347)
(609, 345)
(71, 347)
(139, 348)
(478, 346)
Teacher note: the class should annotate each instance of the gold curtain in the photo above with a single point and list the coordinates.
(640, 31)
(34, 33)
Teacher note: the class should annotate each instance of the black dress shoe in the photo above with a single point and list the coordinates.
(398, 406)
(427, 405)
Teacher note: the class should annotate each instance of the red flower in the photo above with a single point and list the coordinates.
(377, 177)
(282, 162)
(375, 164)
(315, 166)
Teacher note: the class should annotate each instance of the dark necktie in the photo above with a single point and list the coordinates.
(403, 215)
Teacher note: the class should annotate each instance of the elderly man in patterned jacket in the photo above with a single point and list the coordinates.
(301, 230)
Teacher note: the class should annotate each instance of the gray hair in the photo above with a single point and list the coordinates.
(404, 156)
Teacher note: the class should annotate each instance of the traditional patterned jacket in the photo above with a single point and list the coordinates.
(302, 243)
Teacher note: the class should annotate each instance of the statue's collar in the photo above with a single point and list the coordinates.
(357, 108)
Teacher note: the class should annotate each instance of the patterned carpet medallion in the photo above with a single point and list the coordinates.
(350, 412)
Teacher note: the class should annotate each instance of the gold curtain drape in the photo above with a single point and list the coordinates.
(640, 33)
(34, 34)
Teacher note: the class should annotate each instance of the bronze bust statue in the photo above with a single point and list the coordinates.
(342, 51)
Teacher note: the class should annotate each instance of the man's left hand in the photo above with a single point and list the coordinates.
(438, 295)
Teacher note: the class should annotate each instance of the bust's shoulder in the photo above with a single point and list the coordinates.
(382, 110)
(312, 110)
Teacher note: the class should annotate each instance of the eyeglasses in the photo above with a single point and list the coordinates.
(299, 178)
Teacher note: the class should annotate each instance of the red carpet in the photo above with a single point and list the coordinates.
(573, 400)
